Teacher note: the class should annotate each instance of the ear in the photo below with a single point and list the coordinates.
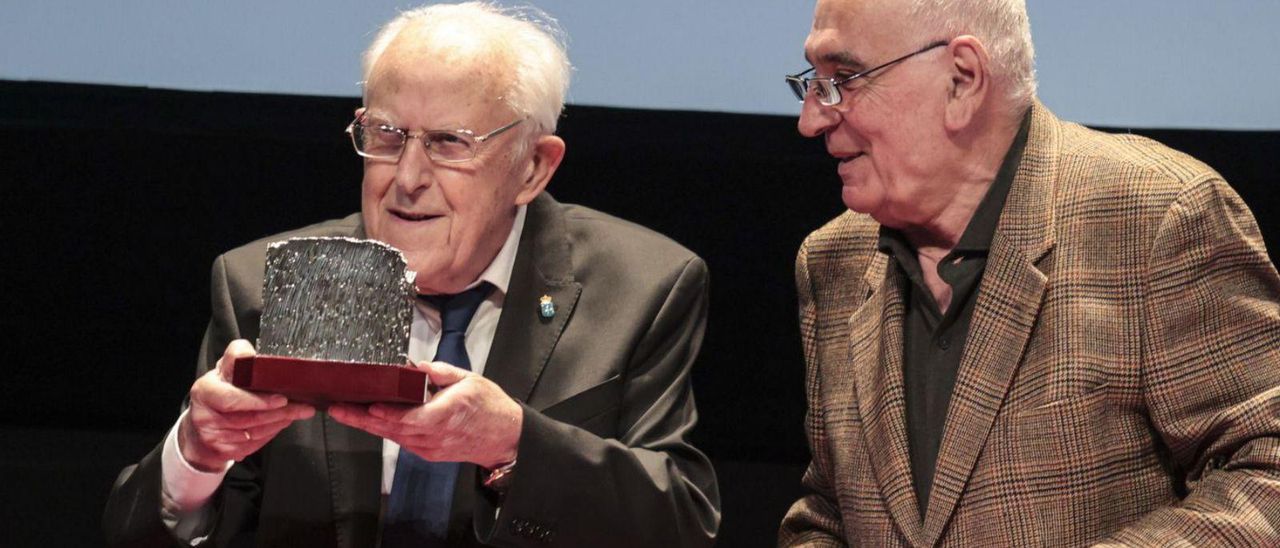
(548, 150)
(971, 83)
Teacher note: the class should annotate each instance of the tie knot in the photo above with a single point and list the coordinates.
(456, 310)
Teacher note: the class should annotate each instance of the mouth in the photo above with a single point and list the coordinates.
(849, 158)
(413, 217)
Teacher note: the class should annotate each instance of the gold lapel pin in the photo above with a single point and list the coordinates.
(546, 308)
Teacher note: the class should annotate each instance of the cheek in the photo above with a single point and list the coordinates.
(375, 183)
(373, 188)
(473, 210)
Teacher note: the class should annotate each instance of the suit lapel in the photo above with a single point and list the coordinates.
(1009, 302)
(524, 340)
(875, 354)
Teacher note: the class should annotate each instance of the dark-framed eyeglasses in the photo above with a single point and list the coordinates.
(827, 89)
(386, 142)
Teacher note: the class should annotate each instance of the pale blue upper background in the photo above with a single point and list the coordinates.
(1139, 63)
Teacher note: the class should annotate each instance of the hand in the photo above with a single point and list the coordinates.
(470, 419)
(227, 423)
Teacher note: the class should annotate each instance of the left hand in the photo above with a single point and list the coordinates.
(469, 419)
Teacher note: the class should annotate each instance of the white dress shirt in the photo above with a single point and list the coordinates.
(185, 490)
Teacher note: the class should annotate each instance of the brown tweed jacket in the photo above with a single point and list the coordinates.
(1120, 384)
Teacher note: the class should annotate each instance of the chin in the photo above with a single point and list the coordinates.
(423, 269)
(856, 200)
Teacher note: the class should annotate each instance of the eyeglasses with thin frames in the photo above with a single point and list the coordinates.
(386, 142)
(827, 89)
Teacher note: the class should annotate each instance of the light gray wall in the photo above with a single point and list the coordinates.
(1140, 63)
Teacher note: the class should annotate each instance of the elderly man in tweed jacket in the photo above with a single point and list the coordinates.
(1024, 332)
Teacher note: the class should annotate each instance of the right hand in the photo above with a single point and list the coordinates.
(226, 423)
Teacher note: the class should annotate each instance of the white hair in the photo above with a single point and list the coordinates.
(520, 50)
(1001, 25)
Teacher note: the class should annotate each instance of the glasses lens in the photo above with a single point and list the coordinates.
(378, 141)
(797, 87)
(448, 146)
(825, 90)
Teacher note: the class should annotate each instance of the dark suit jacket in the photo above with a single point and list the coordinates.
(1120, 383)
(604, 455)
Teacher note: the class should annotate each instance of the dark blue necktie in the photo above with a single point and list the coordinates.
(422, 491)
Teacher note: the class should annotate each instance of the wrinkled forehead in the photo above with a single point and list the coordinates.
(855, 33)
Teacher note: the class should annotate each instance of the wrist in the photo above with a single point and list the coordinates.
(499, 479)
(510, 444)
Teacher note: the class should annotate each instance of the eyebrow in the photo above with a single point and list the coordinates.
(377, 116)
(842, 58)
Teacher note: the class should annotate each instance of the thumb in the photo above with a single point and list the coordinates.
(443, 374)
(238, 348)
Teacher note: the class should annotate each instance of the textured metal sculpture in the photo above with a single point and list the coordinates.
(336, 299)
(335, 323)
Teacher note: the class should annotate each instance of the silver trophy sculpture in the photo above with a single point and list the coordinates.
(335, 324)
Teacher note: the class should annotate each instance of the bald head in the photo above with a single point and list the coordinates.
(516, 56)
(1001, 26)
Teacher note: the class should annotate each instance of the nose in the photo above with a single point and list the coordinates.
(816, 119)
(414, 169)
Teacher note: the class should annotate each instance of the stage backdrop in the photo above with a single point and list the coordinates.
(1137, 63)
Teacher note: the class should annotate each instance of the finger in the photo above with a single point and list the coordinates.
(383, 430)
(266, 432)
(238, 443)
(391, 412)
(224, 397)
(238, 348)
(359, 418)
(359, 422)
(344, 411)
(250, 419)
(351, 415)
(442, 374)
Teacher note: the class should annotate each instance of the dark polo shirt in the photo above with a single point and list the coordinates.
(934, 341)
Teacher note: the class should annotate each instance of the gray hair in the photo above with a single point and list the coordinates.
(523, 50)
(1001, 25)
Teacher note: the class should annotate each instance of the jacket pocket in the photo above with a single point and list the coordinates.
(1076, 422)
(1068, 453)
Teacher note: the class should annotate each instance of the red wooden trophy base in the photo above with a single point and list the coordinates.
(323, 381)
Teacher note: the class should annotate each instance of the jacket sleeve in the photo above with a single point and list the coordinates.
(814, 520)
(648, 487)
(1211, 374)
(133, 512)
